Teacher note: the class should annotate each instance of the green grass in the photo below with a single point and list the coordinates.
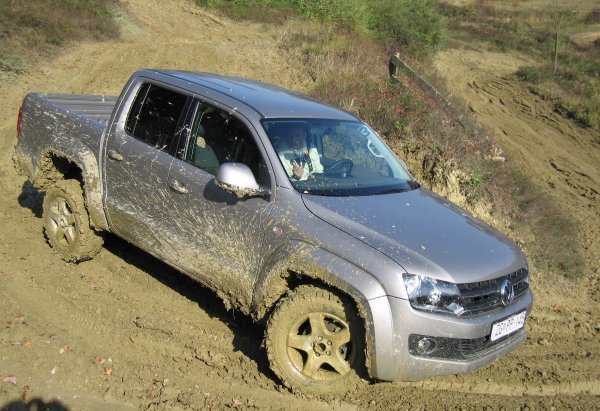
(411, 26)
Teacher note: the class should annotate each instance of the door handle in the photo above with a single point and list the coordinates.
(115, 155)
(177, 186)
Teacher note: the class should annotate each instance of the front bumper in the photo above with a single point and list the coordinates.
(393, 360)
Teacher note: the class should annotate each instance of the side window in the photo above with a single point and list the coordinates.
(217, 137)
(154, 115)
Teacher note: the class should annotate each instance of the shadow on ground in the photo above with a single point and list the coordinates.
(35, 404)
(247, 334)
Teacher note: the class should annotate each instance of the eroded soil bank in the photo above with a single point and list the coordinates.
(124, 331)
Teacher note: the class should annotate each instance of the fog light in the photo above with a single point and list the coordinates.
(426, 346)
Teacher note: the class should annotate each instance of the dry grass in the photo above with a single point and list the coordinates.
(531, 28)
(29, 30)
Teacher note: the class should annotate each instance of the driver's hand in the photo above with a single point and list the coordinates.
(297, 169)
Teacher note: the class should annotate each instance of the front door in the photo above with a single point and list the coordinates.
(220, 235)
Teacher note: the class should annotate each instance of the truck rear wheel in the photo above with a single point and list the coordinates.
(67, 223)
(314, 341)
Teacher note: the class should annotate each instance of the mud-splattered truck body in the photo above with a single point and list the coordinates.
(354, 269)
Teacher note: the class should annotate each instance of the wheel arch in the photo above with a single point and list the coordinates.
(298, 263)
(55, 165)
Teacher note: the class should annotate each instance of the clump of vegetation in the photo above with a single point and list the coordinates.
(533, 75)
(38, 28)
(413, 26)
(10, 64)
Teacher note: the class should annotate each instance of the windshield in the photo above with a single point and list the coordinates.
(336, 158)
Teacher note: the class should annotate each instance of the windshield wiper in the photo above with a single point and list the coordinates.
(393, 190)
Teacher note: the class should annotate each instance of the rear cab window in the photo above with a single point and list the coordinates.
(156, 116)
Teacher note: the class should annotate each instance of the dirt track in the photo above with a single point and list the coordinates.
(124, 331)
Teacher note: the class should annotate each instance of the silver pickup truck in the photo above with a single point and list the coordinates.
(292, 211)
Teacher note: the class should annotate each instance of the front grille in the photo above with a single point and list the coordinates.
(485, 295)
(478, 346)
(458, 348)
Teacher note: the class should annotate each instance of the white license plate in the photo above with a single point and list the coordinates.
(508, 326)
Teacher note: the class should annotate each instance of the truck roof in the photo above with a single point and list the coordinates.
(267, 100)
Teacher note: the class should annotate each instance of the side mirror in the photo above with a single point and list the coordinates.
(237, 178)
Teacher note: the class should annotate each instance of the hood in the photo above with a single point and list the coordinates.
(423, 233)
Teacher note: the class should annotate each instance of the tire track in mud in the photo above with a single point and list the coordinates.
(518, 103)
(569, 388)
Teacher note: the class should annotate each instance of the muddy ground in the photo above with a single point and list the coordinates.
(125, 331)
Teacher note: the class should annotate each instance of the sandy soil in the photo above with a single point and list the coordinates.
(124, 331)
(587, 36)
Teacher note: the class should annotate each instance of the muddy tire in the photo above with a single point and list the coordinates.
(315, 342)
(67, 223)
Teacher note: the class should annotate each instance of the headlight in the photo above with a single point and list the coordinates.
(429, 294)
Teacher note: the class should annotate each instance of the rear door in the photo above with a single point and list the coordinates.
(139, 154)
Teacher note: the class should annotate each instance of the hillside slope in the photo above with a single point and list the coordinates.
(124, 331)
(561, 157)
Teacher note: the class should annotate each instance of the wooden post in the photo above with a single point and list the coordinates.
(393, 68)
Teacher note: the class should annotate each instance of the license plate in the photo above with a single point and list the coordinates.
(508, 326)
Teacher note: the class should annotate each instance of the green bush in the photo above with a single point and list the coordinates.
(415, 26)
(531, 74)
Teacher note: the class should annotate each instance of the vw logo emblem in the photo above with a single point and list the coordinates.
(507, 293)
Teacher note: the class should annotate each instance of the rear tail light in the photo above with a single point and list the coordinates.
(19, 122)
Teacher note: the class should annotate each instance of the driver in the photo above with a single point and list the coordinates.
(299, 160)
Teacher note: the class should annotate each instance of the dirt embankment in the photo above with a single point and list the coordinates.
(124, 331)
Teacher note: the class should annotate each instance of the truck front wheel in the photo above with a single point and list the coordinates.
(67, 223)
(314, 341)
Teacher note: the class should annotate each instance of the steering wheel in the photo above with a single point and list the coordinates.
(340, 168)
